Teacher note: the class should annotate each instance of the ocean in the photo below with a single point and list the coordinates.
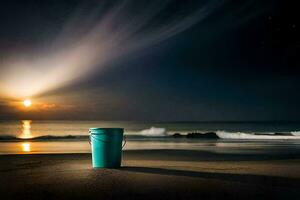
(37, 136)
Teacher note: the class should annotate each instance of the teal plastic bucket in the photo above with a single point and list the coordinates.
(106, 145)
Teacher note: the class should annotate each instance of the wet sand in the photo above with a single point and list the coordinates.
(152, 174)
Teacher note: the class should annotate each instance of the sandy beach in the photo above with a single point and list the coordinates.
(151, 174)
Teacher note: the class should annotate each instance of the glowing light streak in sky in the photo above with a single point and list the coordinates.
(91, 41)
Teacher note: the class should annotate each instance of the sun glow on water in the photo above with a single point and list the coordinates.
(26, 147)
(26, 129)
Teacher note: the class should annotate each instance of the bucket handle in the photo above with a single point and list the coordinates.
(123, 142)
(124, 139)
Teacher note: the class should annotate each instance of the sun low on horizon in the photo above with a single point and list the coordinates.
(38, 105)
(27, 103)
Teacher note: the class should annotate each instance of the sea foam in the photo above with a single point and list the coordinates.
(154, 132)
(256, 136)
(295, 133)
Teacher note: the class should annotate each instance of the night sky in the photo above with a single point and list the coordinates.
(239, 63)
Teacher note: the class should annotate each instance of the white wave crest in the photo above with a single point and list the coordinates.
(295, 133)
(252, 136)
(154, 132)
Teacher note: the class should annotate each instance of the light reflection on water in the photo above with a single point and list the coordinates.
(38, 147)
(26, 129)
(26, 147)
(234, 147)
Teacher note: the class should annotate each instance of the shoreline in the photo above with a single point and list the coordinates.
(151, 174)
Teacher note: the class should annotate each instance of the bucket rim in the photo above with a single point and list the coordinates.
(98, 128)
(103, 130)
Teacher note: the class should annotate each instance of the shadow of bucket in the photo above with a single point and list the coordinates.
(106, 145)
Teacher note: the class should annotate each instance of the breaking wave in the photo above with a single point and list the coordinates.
(154, 132)
(258, 136)
(295, 133)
